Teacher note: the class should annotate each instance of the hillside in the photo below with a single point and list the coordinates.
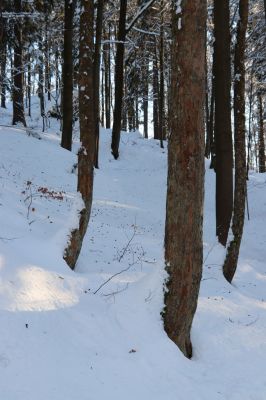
(64, 337)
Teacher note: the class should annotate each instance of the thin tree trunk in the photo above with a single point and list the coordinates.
(155, 93)
(18, 106)
(3, 72)
(29, 85)
(261, 135)
(107, 80)
(161, 119)
(87, 131)
(231, 260)
(185, 187)
(96, 70)
(67, 101)
(223, 134)
(119, 79)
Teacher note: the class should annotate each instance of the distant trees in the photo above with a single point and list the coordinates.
(185, 185)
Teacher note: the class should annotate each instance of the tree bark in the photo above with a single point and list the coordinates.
(119, 79)
(155, 93)
(161, 116)
(87, 130)
(185, 187)
(96, 73)
(18, 106)
(231, 260)
(261, 135)
(67, 100)
(223, 134)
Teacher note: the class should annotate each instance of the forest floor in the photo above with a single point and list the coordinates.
(97, 333)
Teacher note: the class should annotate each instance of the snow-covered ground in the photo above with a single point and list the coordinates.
(63, 336)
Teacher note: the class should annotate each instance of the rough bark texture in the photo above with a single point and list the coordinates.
(185, 188)
(223, 134)
(119, 79)
(66, 140)
(230, 263)
(18, 106)
(87, 131)
(261, 136)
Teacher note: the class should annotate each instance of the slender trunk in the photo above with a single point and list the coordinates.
(119, 79)
(29, 85)
(185, 187)
(3, 73)
(67, 101)
(18, 106)
(261, 135)
(231, 260)
(145, 94)
(161, 120)
(41, 83)
(107, 79)
(96, 73)
(155, 93)
(87, 131)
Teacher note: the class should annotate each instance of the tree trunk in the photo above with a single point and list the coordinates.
(161, 119)
(3, 71)
(18, 106)
(223, 134)
(185, 187)
(231, 260)
(66, 140)
(107, 79)
(155, 93)
(87, 131)
(261, 135)
(96, 73)
(119, 79)
(41, 83)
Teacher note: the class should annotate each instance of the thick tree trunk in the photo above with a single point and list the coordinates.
(231, 260)
(66, 140)
(119, 79)
(223, 134)
(87, 131)
(185, 188)
(18, 106)
(261, 135)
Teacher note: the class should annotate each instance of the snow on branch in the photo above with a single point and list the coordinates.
(139, 14)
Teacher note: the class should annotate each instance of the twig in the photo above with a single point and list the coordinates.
(7, 239)
(209, 252)
(111, 277)
(118, 291)
(127, 245)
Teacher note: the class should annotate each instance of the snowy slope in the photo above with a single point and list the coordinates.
(59, 340)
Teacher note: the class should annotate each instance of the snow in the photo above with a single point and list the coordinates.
(59, 340)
